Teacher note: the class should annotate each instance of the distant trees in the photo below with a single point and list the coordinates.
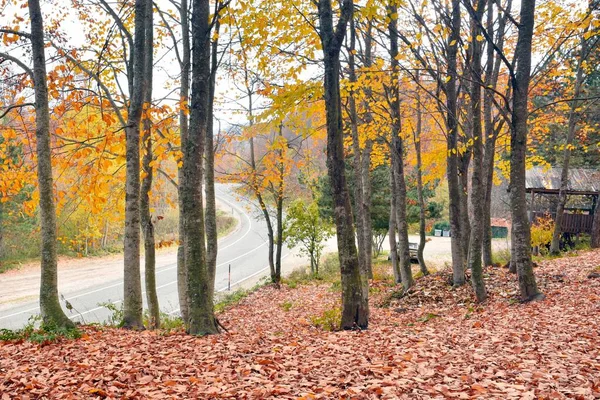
(304, 226)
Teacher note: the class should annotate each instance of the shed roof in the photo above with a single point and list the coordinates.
(548, 179)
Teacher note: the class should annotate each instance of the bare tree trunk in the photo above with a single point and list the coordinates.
(279, 210)
(595, 242)
(392, 229)
(201, 309)
(52, 313)
(454, 189)
(521, 233)
(398, 154)
(421, 199)
(572, 129)
(477, 177)
(355, 306)
(367, 204)
(212, 243)
(184, 91)
(132, 285)
(146, 217)
(364, 255)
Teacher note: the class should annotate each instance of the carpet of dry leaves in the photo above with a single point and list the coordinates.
(435, 343)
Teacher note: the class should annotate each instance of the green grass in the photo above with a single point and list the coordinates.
(286, 305)
(501, 257)
(233, 298)
(36, 332)
(329, 272)
(329, 320)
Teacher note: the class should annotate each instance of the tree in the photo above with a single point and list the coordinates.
(52, 313)
(304, 226)
(132, 286)
(355, 305)
(568, 148)
(201, 318)
(397, 154)
(521, 230)
(147, 225)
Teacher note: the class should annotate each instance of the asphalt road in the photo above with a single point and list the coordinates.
(245, 250)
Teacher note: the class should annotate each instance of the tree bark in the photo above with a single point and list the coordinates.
(421, 199)
(132, 285)
(212, 243)
(392, 229)
(397, 151)
(454, 189)
(521, 231)
(146, 186)
(572, 129)
(52, 313)
(184, 92)
(477, 177)
(595, 241)
(355, 306)
(201, 309)
(359, 197)
(279, 210)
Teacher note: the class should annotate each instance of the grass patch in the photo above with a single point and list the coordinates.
(286, 305)
(329, 320)
(42, 334)
(501, 257)
(233, 298)
(329, 272)
(226, 223)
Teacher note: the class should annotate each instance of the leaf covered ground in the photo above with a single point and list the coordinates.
(434, 343)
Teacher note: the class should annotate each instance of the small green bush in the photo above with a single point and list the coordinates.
(329, 321)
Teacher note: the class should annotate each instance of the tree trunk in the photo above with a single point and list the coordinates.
(132, 285)
(52, 313)
(454, 189)
(367, 205)
(477, 177)
(595, 242)
(521, 233)
(364, 255)
(392, 229)
(355, 306)
(572, 129)
(398, 154)
(146, 217)
(184, 91)
(279, 207)
(421, 199)
(201, 309)
(212, 242)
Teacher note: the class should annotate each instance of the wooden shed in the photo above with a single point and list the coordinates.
(583, 194)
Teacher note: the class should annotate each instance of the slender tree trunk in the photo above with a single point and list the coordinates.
(421, 199)
(454, 189)
(182, 281)
(595, 241)
(146, 217)
(392, 229)
(398, 154)
(367, 205)
(572, 129)
(52, 313)
(212, 243)
(521, 233)
(477, 177)
(359, 201)
(465, 227)
(366, 156)
(355, 306)
(132, 304)
(201, 309)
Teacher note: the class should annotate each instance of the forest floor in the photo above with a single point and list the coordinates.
(434, 343)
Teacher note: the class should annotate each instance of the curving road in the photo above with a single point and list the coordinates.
(245, 250)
